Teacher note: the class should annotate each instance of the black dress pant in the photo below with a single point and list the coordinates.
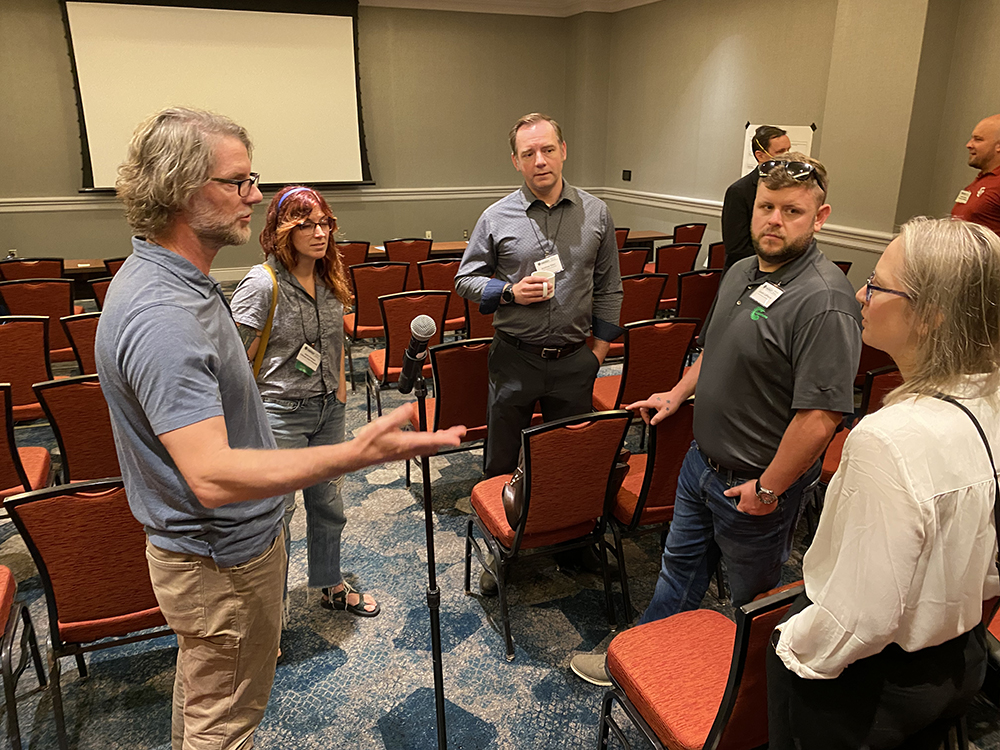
(518, 380)
(889, 700)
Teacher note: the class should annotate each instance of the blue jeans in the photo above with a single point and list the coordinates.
(706, 524)
(299, 424)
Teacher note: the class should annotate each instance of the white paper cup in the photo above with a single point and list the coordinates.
(549, 285)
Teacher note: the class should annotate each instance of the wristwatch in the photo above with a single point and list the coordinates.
(507, 295)
(767, 497)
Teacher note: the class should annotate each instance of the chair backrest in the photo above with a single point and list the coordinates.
(24, 355)
(78, 414)
(11, 469)
(50, 297)
(843, 265)
(440, 274)
(871, 359)
(461, 383)
(113, 265)
(480, 325)
(14, 269)
(90, 552)
(641, 294)
(878, 384)
(81, 330)
(100, 287)
(621, 235)
(353, 252)
(696, 291)
(674, 260)
(742, 718)
(717, 255)
(398, 311)
(669, 442)
(632, 261)
(689, 233)
(370, 281)
(655, 351)
(567, 468)
(410, 250)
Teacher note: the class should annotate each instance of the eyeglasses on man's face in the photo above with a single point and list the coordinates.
(797, 170)
(242, 186)
(870, 287)
(308, 227)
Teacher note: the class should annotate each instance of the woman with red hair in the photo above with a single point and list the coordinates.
(300, 371)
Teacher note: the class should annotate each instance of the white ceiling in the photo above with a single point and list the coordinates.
(555, 8)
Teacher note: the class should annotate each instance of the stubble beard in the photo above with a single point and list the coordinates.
(214, 229)
(789, 251)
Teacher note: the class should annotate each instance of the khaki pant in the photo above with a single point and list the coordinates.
(228, 625)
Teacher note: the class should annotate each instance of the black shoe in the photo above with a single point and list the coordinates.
(487, 583)
(585, 559)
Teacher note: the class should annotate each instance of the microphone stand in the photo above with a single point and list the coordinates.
(433, 593)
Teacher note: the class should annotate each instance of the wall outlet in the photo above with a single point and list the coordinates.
(627, 175)
(12, 253)
(427, 235)
(465, 234)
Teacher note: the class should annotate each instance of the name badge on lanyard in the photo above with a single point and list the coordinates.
(766, 294)
(308, 360)
(549, 263)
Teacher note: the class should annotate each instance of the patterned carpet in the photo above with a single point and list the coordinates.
(347, 682)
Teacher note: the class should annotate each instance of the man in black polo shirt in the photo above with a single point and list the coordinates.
(768, 142)
(781, 349)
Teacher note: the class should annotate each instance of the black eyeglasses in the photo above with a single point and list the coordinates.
(797, 170)
(870, 287)
(310, 226)
(242, 186)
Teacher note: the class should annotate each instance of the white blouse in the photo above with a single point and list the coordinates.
(905, 549)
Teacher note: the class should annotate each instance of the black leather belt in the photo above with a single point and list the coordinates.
(729, 475)
(545, 352)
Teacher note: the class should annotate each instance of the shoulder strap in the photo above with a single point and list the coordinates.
(996, 482)
(258, 360)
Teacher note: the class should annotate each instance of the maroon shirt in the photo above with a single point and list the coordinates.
(983, 204)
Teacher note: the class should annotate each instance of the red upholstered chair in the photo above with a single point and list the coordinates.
(480, 326)
(13, 611)
(91, 557)
(696, 679)
(24, 360)
(440, 274)
(645, 502)
(397, 312)
(81, 330)
(641, 294)
(684, 233)
(871, 359)
(717, 255)
(461, 389)
(654, 361)
(567, 470)
(79, 417)
(696, 292)
(369, 281)
(50, 297)
(21, 469)
(113, 265)
(843, 265)
(412, 251)
(15, 269)
(674, 260)
(621, 236)
(632, 261)
(100, 288)
(353, 252)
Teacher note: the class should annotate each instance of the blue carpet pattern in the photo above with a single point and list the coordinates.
(348, 682)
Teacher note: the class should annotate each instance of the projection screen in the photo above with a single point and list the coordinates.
(290, 78)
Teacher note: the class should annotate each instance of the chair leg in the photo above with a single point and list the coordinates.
(81, 665)
(350, 360)
(368, 395)
(961, 733)
(378, 398)
(504, 615)
(622, 575)
(36, 656)
(57, 704)
(9, 680)
(406, 462)
(720, 581)
(608, 598)
(468, 559)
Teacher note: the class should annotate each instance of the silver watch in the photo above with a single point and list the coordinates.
(767, 497)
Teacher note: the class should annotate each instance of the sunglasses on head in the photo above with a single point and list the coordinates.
(797, 170)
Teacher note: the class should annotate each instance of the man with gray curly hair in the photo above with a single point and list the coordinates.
(198, 459)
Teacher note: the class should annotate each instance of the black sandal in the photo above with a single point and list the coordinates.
(338, 600)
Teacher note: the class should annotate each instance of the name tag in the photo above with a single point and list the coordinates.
(766, 294)
(308, 360)
(963, 197)
(550, 263)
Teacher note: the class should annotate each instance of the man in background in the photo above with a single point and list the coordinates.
(979, 202)
(737, 208)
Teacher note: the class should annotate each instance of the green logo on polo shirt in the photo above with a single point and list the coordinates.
(758, 313)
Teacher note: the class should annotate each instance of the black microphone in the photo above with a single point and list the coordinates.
(422, 328)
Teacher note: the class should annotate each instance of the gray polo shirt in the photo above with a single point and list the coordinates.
(298, 319)
(169, 356)
(520, 229)
(761, 365)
